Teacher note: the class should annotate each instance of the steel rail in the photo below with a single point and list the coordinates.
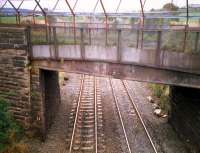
(187, 12)
(94, 9)
(142, 23)
(120, 1)
(77, 111)
(44, 13)
(16, 11)
(75, 5)
(144, 3)
(95, 112)
(35, 7)
(55, 5)
(3, 5)
(13, 6)
(74, 18)
(186, 26)
(33, 12)
(106, 17)
(119, 114)
(18, 8)
(20, 4)
(139, 116)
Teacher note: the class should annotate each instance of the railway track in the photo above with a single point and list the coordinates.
(86, 132)
(139, 116)
(87, 119)
(116, 98)
(100, 115)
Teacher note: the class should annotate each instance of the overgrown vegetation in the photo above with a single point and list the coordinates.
(11, 133)
(162, 93)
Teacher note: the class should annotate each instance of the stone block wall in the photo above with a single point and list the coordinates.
(185, 115)
(33, 94)
(45, 98)
(36, 100)
(13, 38)
(14, 73)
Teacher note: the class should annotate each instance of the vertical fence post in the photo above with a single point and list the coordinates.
(119, 46)
(196, 42)
(185, 38)
(49, 40)
(142, 38)
(158, 48)
(107, 30)
(34, 19)
(74, 28)
(90, 39)
(28, 39)
(16, 18)
(47, 33)
(138, 38)
(19, 20)
(55, 43)
(65, 27)
(82, 46)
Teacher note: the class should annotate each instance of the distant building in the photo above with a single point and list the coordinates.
(194, 5)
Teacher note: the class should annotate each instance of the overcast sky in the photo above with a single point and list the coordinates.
(88, 5)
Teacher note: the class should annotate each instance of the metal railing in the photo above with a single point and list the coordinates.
(171, 38)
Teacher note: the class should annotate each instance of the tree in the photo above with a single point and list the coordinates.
(170, 7)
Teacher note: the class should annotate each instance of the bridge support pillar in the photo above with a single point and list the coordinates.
(45, 99)
(15, 73)
(185, 115)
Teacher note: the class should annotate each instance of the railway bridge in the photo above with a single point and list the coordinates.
(123, 53)
(32, 56)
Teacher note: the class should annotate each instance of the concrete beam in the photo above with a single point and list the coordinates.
(169, 60)
(123, 71)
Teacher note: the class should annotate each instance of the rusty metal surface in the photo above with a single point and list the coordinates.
(72, 8)
(171, 61)
(123, 71)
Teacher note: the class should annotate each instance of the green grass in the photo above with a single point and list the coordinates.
(12, 19)
(162, 93)
(10, 132)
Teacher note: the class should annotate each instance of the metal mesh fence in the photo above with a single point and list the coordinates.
(150, 40)
(87, 36)
(192, 43)
(66, 35)
(112, 37)
(39, 35)
(129, 38)
(171, 40)
(98, 37)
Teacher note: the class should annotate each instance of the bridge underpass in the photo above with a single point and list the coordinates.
(111, 137)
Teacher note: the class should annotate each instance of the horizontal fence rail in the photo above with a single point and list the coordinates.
(175, 48)
(175, 38)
